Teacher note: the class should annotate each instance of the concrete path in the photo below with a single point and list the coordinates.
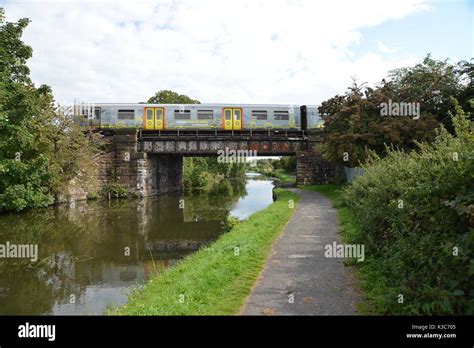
(298, 279)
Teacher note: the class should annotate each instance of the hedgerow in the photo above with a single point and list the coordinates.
(415, 212)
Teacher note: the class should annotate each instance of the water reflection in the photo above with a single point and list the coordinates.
(91, 255)
(256, 199)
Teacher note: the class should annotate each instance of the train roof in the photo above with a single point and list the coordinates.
(201, 105)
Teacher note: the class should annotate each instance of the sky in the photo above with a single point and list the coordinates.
(233, 51)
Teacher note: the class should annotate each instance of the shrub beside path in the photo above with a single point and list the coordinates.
(298, 279)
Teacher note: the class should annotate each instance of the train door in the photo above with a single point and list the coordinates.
(237, 118)
(232, 118)
(159, 118)
(227, 119)
(154, 118)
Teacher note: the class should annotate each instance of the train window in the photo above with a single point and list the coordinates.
(205, 114)
(126, 114)
(237, 114)
(259, 114)
(159, 114)
(182, 115)
(281, 115)
(149, 114)
(228, 114)
(97, 113)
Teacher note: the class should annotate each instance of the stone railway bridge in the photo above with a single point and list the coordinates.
(152, 163)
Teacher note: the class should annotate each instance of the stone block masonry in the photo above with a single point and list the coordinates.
(311, 167)
(142, 173)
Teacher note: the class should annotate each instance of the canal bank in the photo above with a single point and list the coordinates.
(216, 279)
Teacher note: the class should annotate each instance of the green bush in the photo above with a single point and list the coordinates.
(19, 197)
(23, 184)
(115, 190)
(195, 176)
(229, 223)
(92, 195)
(414, 211)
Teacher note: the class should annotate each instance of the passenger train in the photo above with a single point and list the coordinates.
(221, 117)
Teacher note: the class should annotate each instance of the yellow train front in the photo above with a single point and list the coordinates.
(199, 117)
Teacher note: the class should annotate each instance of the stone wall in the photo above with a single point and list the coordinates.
(146, 174)
(170, 173)
(311, 167)
(140, 173)
(158, 174)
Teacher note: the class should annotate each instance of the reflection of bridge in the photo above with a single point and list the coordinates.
(151, 163)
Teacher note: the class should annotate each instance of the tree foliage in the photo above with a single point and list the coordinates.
(415, 211)
(354, 124)
(431, 83)
(170, 97)
(40, 149)
(202, 173)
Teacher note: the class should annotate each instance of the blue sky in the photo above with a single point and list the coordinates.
(236, 51)
(446, 30)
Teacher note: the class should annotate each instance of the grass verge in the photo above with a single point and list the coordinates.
(283, 176)
(216, 279)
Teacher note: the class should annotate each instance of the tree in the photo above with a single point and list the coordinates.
(288, 164)
(170, 97)
(354, 122)
(39, 149)
(466, 97)
(23, 167)
(431, 83)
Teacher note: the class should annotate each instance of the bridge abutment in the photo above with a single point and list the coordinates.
(142, 173)
(311, 167)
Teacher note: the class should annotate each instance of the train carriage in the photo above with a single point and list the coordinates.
(222, 117)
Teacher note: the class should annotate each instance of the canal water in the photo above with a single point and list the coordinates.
(92, 255)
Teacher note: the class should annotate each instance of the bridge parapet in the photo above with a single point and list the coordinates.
(209, 147)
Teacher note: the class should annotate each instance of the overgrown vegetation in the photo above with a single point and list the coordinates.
(41, 149)
(414, 212)
(203, 174)
(284, 168)
(216, 279)
(114, 190)
(354, 123)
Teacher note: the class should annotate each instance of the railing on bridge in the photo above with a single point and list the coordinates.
(267, 142)
(257, 134)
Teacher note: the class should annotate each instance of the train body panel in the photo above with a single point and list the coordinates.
(200, 116)
(312, 117)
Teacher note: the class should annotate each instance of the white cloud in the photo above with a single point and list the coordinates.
(273, 51)
(384, 48)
